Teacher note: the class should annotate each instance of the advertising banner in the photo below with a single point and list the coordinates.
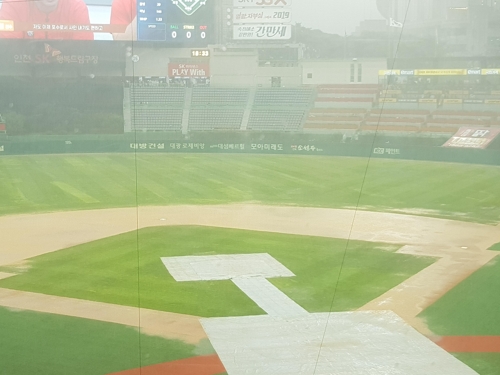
(441, 72)
(489, 72)
(195, 70)
(263, 15)
(472, 138)
(262, 3)
(262, 32)
(60, 57)
(389, 72)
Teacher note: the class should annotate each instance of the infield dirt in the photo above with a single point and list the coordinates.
(461, 249)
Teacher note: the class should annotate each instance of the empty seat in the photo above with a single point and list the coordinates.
(276, 120)
(215, 119)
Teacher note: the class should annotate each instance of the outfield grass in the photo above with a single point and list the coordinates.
(73, 182)
(483, 363)
(45, 344)
(107, 270)
(471, 308)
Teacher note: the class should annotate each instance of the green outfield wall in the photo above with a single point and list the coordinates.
(411, 148)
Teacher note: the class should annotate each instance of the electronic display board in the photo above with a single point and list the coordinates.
(186, 23)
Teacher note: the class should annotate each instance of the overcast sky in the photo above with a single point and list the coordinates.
(334, 16)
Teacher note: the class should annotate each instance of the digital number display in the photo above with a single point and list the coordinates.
(178, 22)
(200, 53)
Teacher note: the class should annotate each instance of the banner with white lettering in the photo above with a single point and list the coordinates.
(262, 32)
(264, 15)
(472, 138)
(262, 3)
(195, 70)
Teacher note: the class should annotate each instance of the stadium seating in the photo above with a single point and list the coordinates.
(283, 97)
(150, 119)
(209, 119)
(169, 96)
(219, 97)
(335, 119)
(276, 120)
(280, 109)
(205, 108)
(347, 96)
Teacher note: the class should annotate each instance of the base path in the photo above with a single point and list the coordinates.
(460, 246)
(470, 344)
(156, 323)
(206, 365)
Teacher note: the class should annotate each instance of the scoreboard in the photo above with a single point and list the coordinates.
(187, 23)
(176, 23)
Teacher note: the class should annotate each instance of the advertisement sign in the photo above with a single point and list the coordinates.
(195, 70)
(407, 72)
(262, 3)
(474, 72)
(472, 138)
(60, 54)
(389, 72)
(262, 32)
(489, 72)
(441, 72)
(263, 15)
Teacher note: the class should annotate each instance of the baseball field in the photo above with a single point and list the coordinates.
(83, 289)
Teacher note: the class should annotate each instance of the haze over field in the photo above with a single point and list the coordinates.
(335, 16)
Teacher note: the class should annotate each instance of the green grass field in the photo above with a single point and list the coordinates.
(483, 363)
(107, 270)
(495, 247)
(75, 182)
(45, 344)
(471, 308)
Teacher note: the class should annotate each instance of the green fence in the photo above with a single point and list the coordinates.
(250, 143)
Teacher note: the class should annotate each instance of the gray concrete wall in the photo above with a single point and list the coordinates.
(318, 72)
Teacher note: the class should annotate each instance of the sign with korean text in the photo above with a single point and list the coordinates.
(262, 32)
(386, 151)
(472, 138)
(452, 101)
(441, 72)
(490, 72)
(262, 3)
(262, 15)
(191, 70)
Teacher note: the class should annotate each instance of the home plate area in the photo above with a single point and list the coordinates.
(290, 341)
